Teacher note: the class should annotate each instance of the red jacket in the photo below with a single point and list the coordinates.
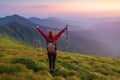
(56, 37)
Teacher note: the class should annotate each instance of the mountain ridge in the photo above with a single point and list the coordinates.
(48, 22)
(53, 22)
(16, 18)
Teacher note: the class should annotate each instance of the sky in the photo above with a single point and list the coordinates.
(60, 8)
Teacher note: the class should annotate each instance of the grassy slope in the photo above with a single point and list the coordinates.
(21, 62)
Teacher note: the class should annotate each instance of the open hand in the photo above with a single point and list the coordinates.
(37, 26)
(66, 27)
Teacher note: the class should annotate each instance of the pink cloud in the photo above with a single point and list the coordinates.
(51, 10)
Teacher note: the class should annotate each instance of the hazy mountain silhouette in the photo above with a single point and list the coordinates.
(86, 42)
(108, 33)
(16, 18)
(54, 23)
(49, 22)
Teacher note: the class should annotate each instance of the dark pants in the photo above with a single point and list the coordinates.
(52, 58)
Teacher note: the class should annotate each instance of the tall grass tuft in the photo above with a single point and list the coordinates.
(30, 63)
(10, 68)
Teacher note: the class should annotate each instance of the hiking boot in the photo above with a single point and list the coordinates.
(52, 71)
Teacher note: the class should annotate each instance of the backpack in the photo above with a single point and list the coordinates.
(51, 46)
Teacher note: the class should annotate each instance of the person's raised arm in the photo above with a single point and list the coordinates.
(42, 33)
(60, 33)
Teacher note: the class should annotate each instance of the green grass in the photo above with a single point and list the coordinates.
(23, 62)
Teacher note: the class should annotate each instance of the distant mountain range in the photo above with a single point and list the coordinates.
(49, 22)
(54, 23)
(23, 29)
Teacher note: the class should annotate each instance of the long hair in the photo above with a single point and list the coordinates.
(51, 34)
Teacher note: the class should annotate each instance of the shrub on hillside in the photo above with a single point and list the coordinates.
(30, 63)
(10, 68)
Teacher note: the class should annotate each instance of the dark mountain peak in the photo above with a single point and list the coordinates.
(16, 18)
(15, 15)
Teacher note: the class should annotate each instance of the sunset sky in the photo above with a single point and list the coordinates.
(60, 8)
